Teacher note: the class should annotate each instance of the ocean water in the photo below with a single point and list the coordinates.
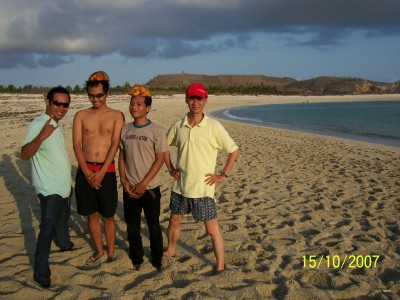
(377, 122)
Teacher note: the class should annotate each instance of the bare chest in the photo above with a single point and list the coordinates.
(102, 125)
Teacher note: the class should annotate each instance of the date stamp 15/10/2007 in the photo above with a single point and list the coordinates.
(340, 262)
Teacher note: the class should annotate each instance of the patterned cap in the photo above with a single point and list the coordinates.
(140, 90)
(99, 76)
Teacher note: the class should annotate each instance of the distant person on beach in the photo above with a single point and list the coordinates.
(96, 136)
(51, 178)
(142, 154)
(198, 139)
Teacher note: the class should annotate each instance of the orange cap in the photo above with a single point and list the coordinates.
(99, 76)
(140, 90)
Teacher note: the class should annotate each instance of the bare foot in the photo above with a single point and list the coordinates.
(218, 271)
(97, 255)
(93, 259)
(110, 255)
(169, 253)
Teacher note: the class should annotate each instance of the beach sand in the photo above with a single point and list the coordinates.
(290, 197)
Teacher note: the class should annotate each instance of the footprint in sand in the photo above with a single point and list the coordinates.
(289, 223)
(309, 232)
(319, 279)
(237, 258)
(305, 218)
(184, 258)
(286, 260)
(232, 227)
(268, 247)
(343, 223)
(390, 275)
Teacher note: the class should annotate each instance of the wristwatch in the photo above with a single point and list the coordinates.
(223, 174)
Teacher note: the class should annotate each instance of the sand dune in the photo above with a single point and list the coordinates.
(291, 195)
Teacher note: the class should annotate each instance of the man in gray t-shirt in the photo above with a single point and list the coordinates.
(143, 146)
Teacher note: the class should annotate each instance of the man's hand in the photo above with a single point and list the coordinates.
(129, 188)
(139, 190)
(213, 178)
(47, 129)
(175, 173)
(28, 150)
(96, 178)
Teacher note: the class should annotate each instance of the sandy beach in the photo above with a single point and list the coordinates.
(304, 216)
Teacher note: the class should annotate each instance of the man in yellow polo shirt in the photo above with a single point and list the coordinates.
(198, 139)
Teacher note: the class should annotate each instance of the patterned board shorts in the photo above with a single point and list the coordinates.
(202, 209)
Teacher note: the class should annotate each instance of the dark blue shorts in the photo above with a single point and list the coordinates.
(202, 209)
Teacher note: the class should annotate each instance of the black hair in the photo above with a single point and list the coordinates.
(92, 83)
(58, 90)
(148, 100)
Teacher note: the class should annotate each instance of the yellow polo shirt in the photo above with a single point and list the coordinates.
(197, 154)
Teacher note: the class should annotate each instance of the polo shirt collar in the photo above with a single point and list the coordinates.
(202, 123)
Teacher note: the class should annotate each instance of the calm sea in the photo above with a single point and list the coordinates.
(377, 122)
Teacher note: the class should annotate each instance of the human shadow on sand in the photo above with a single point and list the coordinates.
(17, 179)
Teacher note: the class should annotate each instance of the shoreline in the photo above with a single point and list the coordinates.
(281, 100)
(224, 115)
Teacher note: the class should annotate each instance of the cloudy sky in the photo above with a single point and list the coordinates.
(51, 42)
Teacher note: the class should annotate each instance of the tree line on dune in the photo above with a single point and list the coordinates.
(217, 90)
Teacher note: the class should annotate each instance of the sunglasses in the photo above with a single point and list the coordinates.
(98, 96)
(58, 103)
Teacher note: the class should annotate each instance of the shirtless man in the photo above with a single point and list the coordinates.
(96, 136)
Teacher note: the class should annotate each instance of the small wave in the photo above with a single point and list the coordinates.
(227, 114)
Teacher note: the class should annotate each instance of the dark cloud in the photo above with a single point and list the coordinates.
(32, 60)
(175, 48)
(41, 34)
(322, 39)
(53, 60)
(9, 61)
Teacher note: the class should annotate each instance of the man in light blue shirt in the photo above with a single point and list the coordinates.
(51, 178)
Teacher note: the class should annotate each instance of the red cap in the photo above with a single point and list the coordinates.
(196, 89)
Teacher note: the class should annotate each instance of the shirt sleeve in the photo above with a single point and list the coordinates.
(33, 131)
(161, 141)
(171, 135)
(224, 140)
(122, 140)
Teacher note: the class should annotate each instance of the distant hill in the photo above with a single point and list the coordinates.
(259, 84)
(179, 80)
(341, 86)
